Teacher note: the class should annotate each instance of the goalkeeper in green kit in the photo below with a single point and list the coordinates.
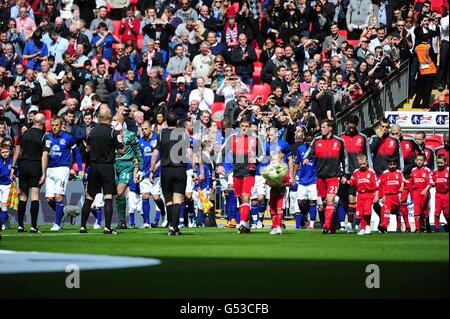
(127, 166)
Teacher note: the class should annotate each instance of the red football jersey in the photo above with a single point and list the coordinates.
(440, 180)
(390, 182)
(365, 181)
(420, 178)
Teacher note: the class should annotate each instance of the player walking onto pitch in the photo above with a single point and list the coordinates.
(245, 148)
(125, 167)
(367, 185)
(5, 181)
(392, 183)
(440, 181)
(147, 144)
(332, 166)
(306, 177)
(101, 145)
(420, 182)
(56, 158)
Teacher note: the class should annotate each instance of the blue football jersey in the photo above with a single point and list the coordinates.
(147, 147)
(60, 149)
(5, 171)
(307, 174)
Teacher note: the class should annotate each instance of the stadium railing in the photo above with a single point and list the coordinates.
(373, 107)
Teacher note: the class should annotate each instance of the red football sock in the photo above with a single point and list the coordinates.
(385, 217)
(244, 210)
(274, 220)
(416, 221)
(279, 219)
(436, 222)
(363, 223)
(329, 211)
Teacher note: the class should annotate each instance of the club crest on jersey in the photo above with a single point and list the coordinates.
(359, 141)
(48, 143)
(424, 175)
(391, 143)
(407, 146)
(335, 145)
(147, 151)
(153, 143)
(62, 141)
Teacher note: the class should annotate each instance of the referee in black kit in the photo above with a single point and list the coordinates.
(28, 155)
(174, 147)
(101, 144)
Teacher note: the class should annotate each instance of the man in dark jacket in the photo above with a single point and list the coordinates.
(242, 57)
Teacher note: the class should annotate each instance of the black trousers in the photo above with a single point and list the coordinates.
(442, 76)
(424, 87)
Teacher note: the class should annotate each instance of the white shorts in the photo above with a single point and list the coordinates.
(134, 203)
(225, 181)
(293, 201)
(260, 188)
(56, 181)
(190, 181)
(4, 192)
(98, 201)
(151, 188)
(307, 192)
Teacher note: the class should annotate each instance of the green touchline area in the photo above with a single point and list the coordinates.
(209, 262)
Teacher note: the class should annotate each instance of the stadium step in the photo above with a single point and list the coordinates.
(407, 106)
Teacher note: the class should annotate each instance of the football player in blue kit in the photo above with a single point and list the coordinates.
(147, 144)
(306, 177)
(59, 147)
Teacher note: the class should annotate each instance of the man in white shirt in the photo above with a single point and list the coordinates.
(202, 62)
(204, 95)
(443, 61)
(57, 46)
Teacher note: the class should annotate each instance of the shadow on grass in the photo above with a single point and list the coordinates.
(240, 278)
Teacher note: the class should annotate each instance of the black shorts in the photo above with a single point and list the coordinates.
(173, 180)
(345, 190)
(102, 178)
(30, 172)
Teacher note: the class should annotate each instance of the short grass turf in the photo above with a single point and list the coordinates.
(218, 263)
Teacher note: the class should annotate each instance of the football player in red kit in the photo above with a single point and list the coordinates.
(245, 148)
(392, 183)
(440, 181)
(420, 183)
(367, 185)
(332, 167)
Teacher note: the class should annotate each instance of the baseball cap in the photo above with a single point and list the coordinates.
(181, 79)
(33, 108)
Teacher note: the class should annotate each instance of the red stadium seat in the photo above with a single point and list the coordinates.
(48, 126)
(140, 41)
(250, 96)
(47, 113)
(258, 54)
(257, 64)
(116, 24)
(434, 141)
(354, 43)
(262, 89)
(343, 33)
(217, 110)
(257, 75)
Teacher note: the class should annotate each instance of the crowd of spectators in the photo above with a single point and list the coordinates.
(285, 63)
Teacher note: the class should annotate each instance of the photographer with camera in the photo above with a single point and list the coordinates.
(229, 86)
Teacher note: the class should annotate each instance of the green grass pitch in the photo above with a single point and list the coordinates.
(219, 263)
